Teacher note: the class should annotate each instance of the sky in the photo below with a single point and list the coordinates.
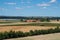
(30, 8)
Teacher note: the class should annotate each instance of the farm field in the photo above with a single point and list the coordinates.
(29, 23)
(27, 26)
(55, 36)
(17, 22)
(24, 28)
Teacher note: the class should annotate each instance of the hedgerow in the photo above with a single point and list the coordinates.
(13, 34)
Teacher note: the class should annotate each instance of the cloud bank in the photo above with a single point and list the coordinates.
(10, 3)
(46, 4)
(52, 1)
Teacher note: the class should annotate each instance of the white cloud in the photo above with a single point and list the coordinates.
(2, 9)
(44, 4)
(22, 1)
(52, 1)
(29, 6)
(25, 2)
(28, 2)
(44, 7)
(18, 8)
(11, 3)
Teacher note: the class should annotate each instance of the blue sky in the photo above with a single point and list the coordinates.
(30, 8)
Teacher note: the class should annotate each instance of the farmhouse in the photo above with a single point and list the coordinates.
(30, 20)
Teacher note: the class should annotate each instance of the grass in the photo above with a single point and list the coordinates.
(9, 23)
(34, 24)
(5, 22)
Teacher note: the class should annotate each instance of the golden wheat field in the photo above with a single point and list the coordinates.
(24, 28)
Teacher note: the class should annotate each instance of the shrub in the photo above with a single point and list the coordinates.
(1, 36)
(13, 34)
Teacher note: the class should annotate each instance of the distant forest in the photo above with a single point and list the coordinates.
(21, 17)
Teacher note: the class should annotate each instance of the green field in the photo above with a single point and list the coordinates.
(28, 24)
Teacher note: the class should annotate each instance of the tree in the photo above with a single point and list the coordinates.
(42, 19)
(57, 19)
(20, 34)
(47, 19)
(27, 34)
(1, 36)
(31, 32)
(5, 35)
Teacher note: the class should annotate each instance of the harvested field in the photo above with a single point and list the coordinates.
(24, 28)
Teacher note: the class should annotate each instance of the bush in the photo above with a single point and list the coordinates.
(27, 34)
(13, 34)
(5, 34)
(31, 32)
(1, 36)
(20, 34)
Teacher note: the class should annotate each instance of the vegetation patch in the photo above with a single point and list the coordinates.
(34, 24)
(13, 34)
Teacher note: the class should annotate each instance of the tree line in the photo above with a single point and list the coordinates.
(33, 18)
(13, 34)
